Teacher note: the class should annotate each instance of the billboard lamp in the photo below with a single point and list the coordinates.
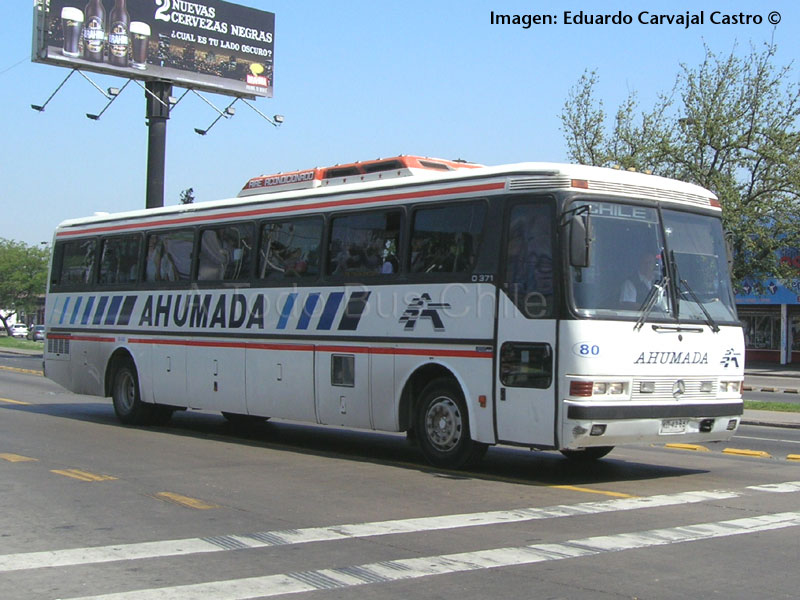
(276, 120)
(173, 101)
(113, 93)
(40, 107)
(227, 113)
(110, 95)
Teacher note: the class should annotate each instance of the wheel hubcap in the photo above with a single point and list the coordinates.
(443, 424)
(126, 391)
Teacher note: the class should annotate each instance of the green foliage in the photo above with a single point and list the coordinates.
(23, 277)
(16, 343)
(778, 406)
(729, 124)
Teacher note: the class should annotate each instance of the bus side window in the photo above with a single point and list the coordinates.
(226, 253)
(364, 244)
(119, 259)
(290, 249)
(77, 262)
(528, 365)
(529, 262)
(446, 239)
(169, 255)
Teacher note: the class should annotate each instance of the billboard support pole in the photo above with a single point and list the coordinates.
(157, 95)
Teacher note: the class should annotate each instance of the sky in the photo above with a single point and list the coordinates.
(355, 80)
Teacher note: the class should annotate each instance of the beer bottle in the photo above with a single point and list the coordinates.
(94, 31)
(118, 34)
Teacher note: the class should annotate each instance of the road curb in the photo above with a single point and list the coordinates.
(778, 390)
(769, 423)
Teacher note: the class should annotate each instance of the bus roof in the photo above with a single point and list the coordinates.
(407, 171)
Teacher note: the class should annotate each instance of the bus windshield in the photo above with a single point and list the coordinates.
(663, 265)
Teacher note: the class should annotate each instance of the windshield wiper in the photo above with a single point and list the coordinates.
(709, 319)
(690, 292)
(650, 301)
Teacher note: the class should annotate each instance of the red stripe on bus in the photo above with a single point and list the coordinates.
(160, 222)
(405, 351)
(213, 344)
(80, 338)
(438, 352)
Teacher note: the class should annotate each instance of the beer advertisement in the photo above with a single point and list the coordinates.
(207, 45)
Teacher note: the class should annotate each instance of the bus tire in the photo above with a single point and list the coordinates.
(586, 455)
(442, 426)
(128, 404)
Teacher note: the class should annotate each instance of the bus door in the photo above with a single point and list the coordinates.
(525, 402)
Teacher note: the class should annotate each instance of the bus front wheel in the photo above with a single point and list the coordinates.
(442, 427)
(125, 393)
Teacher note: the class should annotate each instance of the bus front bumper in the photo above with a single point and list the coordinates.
(590, 424)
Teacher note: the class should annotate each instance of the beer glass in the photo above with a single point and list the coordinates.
(140, 32)
(72, 24)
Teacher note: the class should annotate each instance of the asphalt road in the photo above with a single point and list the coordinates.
(202, 509)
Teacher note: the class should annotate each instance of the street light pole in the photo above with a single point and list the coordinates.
(157, 97)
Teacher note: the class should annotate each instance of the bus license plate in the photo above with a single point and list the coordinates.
(674, 425)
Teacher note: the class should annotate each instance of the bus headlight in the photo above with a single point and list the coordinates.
(730, 387)
(589, 389)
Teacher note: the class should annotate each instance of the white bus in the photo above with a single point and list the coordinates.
(542, 305)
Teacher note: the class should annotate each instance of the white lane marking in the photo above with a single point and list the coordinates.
(102, 554)
(415, 568)
(181, 547)
(778, 488)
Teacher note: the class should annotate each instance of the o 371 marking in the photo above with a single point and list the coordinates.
(483, 278)
(586, 349)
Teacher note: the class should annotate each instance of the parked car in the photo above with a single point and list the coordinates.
(20, 330)
(36, 333)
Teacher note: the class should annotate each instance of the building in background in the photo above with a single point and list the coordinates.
(770, 313)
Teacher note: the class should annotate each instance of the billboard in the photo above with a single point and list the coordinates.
(207, 45)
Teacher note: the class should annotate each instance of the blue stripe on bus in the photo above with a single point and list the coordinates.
(287, 309)
(101, 308)
(51, 317)
(76, 310)
(111, 315)
(64, 311)
(355, 308)
(127, 310)
(329, 312)
(88, 311)
(308, 309)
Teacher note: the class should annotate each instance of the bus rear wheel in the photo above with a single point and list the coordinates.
(586, 455)
(128, 404)
(442, 427)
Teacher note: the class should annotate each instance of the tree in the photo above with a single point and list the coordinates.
(729, 124)
(187, 196)
(23, 278)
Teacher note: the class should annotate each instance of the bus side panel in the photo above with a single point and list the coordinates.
(142, 357)
(85, 375)
(169, 374)
(215, 378)
(384, 397)
(343, 379)
(280, 383)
